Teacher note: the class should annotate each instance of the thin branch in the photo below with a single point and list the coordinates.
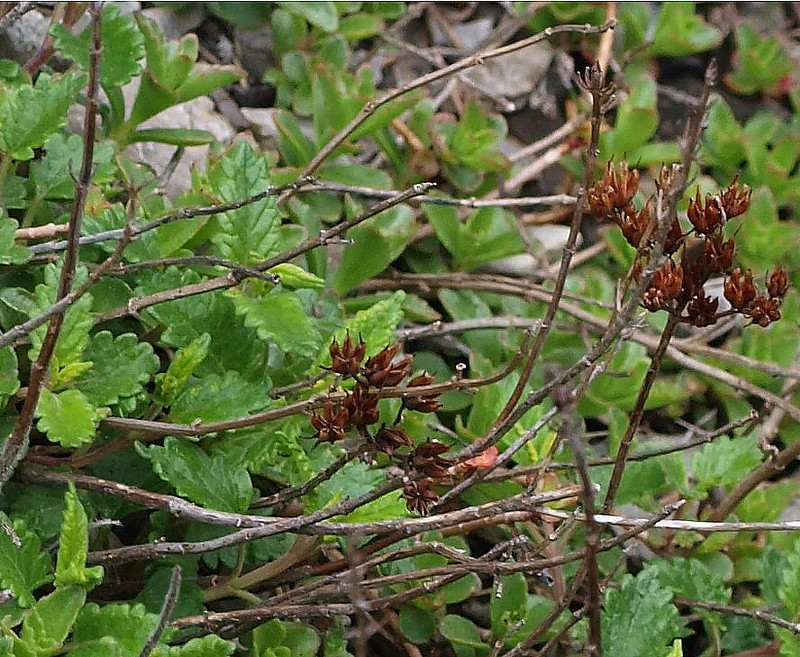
(170, 600)
(594, 81)
(756, 614)
(16, 445)
(637, 413)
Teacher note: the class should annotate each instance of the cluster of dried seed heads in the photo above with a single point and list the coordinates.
(692, 257)
(424, 464)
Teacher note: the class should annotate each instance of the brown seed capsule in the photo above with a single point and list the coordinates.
(384, 370)
(765, 311)
(419, 496)
(427, 459)
(332, 424)
(778, 283)
(390, 438)
(735, 199)
(346, 360)
(740, 291)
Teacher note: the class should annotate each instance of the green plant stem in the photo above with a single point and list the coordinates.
(638, 411)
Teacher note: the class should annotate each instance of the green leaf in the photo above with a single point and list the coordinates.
(23, 569)
(174, 136)
(53, 174)
(251, 233)
(247, 15)
(507, 604)
(639, 619)
(298, 640)
(295, 277)
(637, 119)
(725, 462)
(206, 480)
(170, 383)
(376, 244)
(682, 31)
(29, 115)
(207, 646)
(10, 252)
(127, 626)
(417, 625)
(361, 26)
(463, 635)
(9, 375)
(123, 46)
(120, 367)
(279, 318)
(320, 14)
(692, 579)
(789, 581)
(216, 397)
(760, 64)
(67, 417)
(73, 546)
(50, 620)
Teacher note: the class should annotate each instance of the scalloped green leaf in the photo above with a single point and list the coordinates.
(67, 417)
(23, 569)
(279, 318)
(639, 619)
(11, 253)
(128, 626)
(724, 462)
(123, 46)
(29, 115)
(217, 397)
(206, 480)
(170, 383)
(121, 366)
(251, 233)
(73, 546)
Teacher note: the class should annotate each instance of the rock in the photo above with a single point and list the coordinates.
(514, 75)
(21, 37)
(174, 24)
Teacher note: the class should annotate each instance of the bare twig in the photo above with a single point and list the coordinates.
(595, 82)
(170, 600)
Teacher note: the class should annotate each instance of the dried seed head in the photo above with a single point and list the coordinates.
(384, 370)
(614, 191)
(666, 285)
(423, 404)
(332, 424)
(778, 283)
(736, 199)
(389, 439)
(419, 496)
(702, 310)
(708, 217)
(427, 459)
(362, 408)
(346, 360)
(765, 311)
(740, 291)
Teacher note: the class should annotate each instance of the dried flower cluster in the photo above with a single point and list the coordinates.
(693, 256)
(424, 463)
